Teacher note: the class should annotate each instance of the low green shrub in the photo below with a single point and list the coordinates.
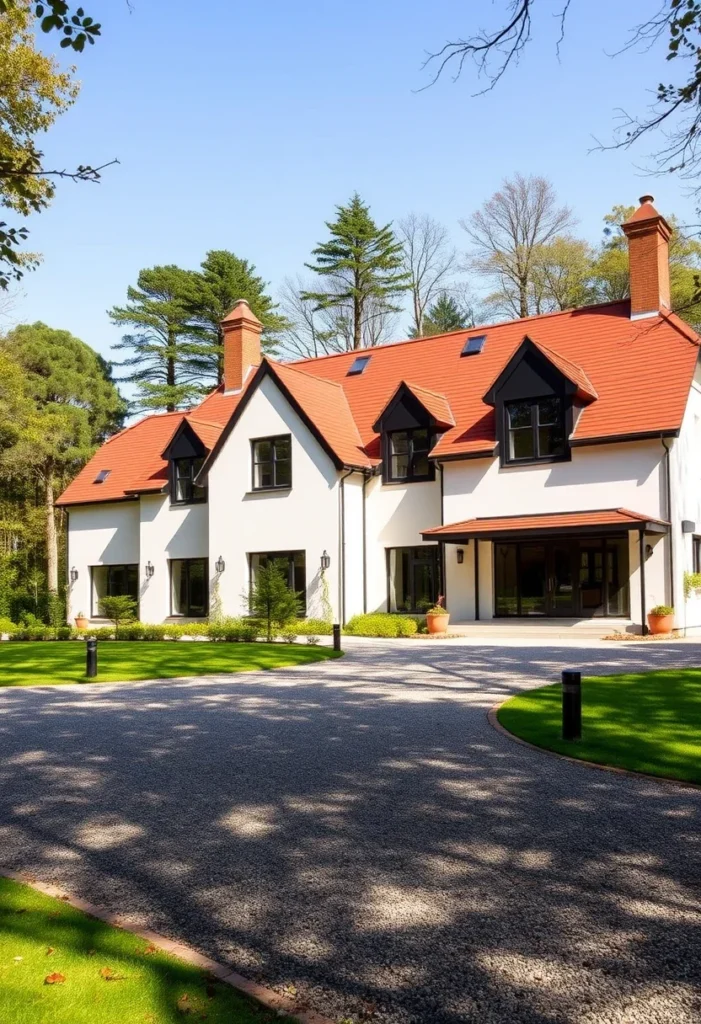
(131, 631)
(101, 633)
(289, 634)
(315, 627)
(311, 639)
(7, 626)
(177, 630)
(381, 624)
(64, 633)
(233, 630)
(154, 632)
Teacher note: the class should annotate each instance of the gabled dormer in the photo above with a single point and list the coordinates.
(185, 455)
(537, 398)
(409, 426)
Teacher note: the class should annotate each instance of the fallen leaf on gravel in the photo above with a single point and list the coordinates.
(54, 979)
(64, 897)
(109, 975)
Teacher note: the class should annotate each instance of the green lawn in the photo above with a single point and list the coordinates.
(649, 722)
(108, 975)
(30, 663)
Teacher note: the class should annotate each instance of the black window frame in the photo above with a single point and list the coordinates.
(112, 570)
(413, 557)
(273, 462)
(411, 476)
(358, 366)
(696, 553)
(196, 494)
(474, 346)
(279, 556)
(189, 562)
(534, 428)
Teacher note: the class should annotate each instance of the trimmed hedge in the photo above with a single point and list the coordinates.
(381, 624)
(232, 630)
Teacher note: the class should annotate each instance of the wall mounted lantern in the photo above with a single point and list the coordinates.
(149, 570)
(461, 556)
(74, 574)
(220, 565)
(325, 561)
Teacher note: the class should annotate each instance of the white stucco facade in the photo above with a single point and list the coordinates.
(359, 520)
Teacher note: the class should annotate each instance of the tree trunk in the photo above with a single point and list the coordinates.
(418, 314)
(170, 370)
(523, 297)
(51, 546)
(357, 322)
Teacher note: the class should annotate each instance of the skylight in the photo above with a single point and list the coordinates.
(473, 346)
(102, 476)
(359, 364)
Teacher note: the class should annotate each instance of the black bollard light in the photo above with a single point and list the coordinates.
(91, 658)
(571, 705)
(336, 636)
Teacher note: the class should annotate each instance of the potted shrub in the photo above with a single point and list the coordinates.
(437, 618)
(660, 619)
(81, 621)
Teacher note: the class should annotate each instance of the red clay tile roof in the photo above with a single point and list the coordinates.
(639, 370)
(489, 525)
(437, 406)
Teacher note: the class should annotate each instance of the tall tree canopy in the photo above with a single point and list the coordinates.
(430, 260)
(507, 232)
(33, 92)
(224, 278)
(362, 266)
(165, 358)
(68, 405)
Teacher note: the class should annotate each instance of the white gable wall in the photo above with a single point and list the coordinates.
(99, 535)
(166, 532)
(686, 504)
(242, 521)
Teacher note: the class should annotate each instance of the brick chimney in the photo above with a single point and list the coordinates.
(648, 236)
(241, 330)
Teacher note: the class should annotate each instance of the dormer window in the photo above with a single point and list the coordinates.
(184, 490)
(408, 455)
(535, 429)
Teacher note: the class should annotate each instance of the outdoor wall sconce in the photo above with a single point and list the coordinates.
(220, 565)
(325, 561)
(648, 550)
(149, 570)
(461, 556)
(74, 574)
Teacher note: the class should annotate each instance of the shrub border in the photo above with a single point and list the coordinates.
(268, 997)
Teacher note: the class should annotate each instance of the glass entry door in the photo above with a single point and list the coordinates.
(567, 578)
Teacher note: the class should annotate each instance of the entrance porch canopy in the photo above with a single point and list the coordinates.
(572, 524)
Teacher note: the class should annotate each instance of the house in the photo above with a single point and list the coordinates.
(547, 467)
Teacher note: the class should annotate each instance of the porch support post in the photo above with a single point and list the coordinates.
(477, 578)
(641, 546)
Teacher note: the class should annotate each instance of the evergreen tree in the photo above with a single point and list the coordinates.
(363, 266)
(70, 405)
(272, 599)
(444, 315)
(165, 354)
(224, 279)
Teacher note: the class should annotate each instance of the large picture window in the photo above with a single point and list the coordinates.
(295, 566)
(113, 581)
(272, 463)
(413, 578)
(189, 587)
(184, 489)
(535, 429)
(407, 455)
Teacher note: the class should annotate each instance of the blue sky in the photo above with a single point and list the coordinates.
(240, 126)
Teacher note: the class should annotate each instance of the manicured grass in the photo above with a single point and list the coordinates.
(109, 975)
(25, 663)
(648, 722)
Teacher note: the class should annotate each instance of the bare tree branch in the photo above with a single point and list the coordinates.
(430, 259)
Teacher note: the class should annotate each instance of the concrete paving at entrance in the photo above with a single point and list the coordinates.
(356, 829)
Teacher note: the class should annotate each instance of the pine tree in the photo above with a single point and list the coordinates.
(444, 315)
(272, 599)
(223, 280)
(363, 266)
(166, 354)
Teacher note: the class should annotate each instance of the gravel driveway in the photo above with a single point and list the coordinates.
(356, 829)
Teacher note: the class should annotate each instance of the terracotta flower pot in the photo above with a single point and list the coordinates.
(437, 623)
(660, 623)
(81, 622)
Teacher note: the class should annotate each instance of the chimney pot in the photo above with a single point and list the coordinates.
(648, 236)
(241, 330)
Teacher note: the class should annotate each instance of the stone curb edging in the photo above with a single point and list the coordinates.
(266, 996)
(498, 727)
